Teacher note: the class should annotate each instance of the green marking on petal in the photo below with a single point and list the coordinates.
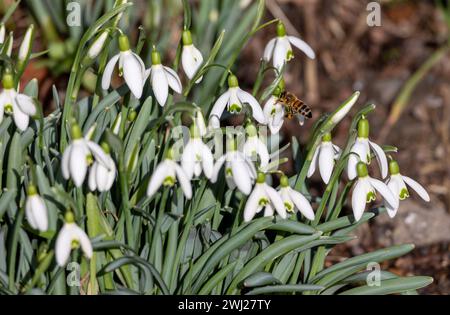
(235, 109)
(228, 172)
(263, 202)
(169, 181)
(89, 159)
(289, 55)
(75, 244)
(8, 108)
(404, 194)
(370, 197)
(289, 206)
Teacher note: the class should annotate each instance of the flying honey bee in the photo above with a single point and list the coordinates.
(293, 106)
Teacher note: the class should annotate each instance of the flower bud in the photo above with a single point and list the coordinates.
(98, 45)
(2, 33)
(345, 108)
(25, 48)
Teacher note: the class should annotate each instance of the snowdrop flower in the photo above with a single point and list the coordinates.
(197, 156)
(274, 113)
(364, 191)
(35, 210)
(98, 45)
(131, 67)
(199, 121)
(325, 155)
(71, 236)
(2, 33)
(254, 147)
(191, 57)
(292, 199)
(78, 157)
(263, 196)
(280, 48)
(233, 100)
(25, 48)
(161, 78)
(362, 149)
(20, 105)
(102, 177)
(397, 184)
(239, 170)
(166, 174)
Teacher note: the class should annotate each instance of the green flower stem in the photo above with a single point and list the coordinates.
(12, 250)
(156, 257)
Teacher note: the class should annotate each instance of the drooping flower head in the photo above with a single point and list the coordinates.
(161, 78)
(254, 148)
(191, 57)
(131, 67)
(264, 197)
(280, 48)
(166, 174)
(80, 154)
(239, 170)
(294, 200)
(397, 184)
(197, 156)
(274, 110)
(324, 156)
(365, 189)
(21, 106)
(101, 177)
(233, 100)
(36, 210)
(71, 236)
(361, 151)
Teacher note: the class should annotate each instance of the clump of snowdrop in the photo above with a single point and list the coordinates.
(131, 67)
(325, 156)
(71, 236)
(161, 78)
(197, 156)
(36, 210)
(239, 170)
(365, 189)
(101, 177)
(79, 155)
(254, 147)
(166, 174)
(191, 57)
(397, 184)
(280, 50)
(294, 200)
(233, 100)
(361, 151)
(21, 106)
(264, 197)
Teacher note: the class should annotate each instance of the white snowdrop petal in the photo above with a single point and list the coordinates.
(381, 158)
(133, 74)
(359, 199)
(241, 177)
(217, 168)
(160, 85)
(219, 105)
(78, 164)
(20, 118)
(301, 203)
(268, 211)
(101, 175)
(313, 165)
(279, 53)
(268, 51)
(257, 111)
(393, 187)
(26, 104)
(92, 183)
(303, 46)
(39, 212)
(99, 154)
(65, 162)
(107, 73)
(188, 159)
(184, 181)
(173, 80)
(29, 214)
(263, 153)
(252, 204)
(207, 161)
(326, 161)
(63, 245)
(84, 240)
(276, 200)
(385, 192)
(417, 188)
(158, 176)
